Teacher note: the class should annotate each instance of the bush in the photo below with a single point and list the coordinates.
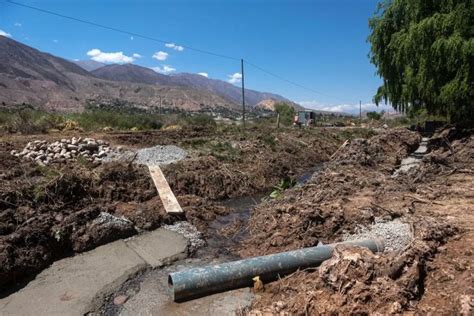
(374, 115)
(28, 121)
(31, 121)
(201, 120)
(98, 119)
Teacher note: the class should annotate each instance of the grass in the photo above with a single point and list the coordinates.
(98, 119)
(224, 151)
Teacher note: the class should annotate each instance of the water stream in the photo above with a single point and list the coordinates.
(149, 293)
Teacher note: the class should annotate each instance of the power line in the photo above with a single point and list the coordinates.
(120, 30)
(165, 42)
(291, 82)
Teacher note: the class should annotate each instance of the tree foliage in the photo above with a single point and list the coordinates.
(424, 51)
(374, 115)
(287, 112)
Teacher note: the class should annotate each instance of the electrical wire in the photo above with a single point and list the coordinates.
(119, 30)
(166, 42)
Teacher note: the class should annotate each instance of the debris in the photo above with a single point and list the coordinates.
(120, 299)
(190, 232)
(167, 196)
(258, 285)
(45, 153)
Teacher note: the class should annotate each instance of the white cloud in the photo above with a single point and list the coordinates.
(345, 107)
(135, 55)
(17, 24)
(3, 33)
(160, 55)
(204, 74)
(164, 70)
(114, 58)
(235, 78)
(175, 47)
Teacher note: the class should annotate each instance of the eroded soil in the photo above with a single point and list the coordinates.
(47, 213)
(432, 275)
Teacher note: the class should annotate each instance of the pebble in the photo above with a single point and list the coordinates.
(120, 299)
(45, 153)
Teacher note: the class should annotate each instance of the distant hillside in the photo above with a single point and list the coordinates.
(224, 89)
(88, 65)
(138, 74)
(33, 77)
(131, 73)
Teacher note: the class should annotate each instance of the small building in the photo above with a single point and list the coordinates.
(305, 118)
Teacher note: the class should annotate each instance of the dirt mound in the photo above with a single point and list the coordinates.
(356, 281)
(335, 200)
(47, 213)
(233, 169)
(429, 276)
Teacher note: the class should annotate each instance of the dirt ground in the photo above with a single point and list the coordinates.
(47, 213)
(433, 274)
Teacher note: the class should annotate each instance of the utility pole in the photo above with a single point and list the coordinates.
(161, 104)
(243, 91)
(360, 112)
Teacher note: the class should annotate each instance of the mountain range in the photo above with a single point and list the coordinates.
(41, 79)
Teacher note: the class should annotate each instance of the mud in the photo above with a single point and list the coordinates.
(47, 213)
(356, 188)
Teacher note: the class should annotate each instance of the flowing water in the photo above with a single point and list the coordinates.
(149, 292)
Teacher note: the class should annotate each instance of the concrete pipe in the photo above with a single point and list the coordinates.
(202, 281)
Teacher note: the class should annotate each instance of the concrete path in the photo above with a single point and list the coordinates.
(78, 285)
(414, 160)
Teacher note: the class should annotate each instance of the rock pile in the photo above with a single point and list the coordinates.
(45, 153)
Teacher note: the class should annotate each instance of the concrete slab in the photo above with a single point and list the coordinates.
(159, 247)
(78, 285)
(70, 286)
(423, 149)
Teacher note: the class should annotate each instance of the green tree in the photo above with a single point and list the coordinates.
(374, 115)
(287, 112)
(424, 51)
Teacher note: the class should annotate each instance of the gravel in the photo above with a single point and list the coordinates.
(190, 232)
(160, 155)
(152, 156)
(111, 220)
(395, 234)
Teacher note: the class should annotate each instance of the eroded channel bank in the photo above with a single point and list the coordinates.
(149, 292)
(49, 212)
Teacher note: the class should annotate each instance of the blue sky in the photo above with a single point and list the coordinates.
(320, 44)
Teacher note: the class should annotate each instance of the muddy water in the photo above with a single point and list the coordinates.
(149, 293)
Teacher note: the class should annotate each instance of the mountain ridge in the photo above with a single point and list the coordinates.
(29, 76)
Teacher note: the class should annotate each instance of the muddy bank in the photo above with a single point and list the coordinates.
(50, 212)
(356, 188)
(334, 200)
